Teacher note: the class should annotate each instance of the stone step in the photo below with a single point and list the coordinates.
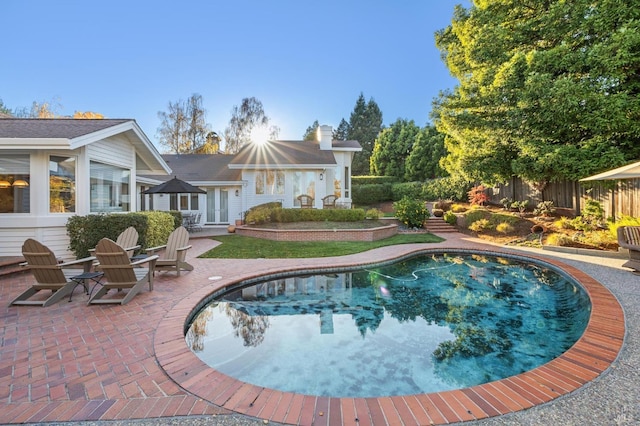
(437, 224)
(10, 266)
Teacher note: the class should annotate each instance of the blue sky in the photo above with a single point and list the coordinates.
(304, 60)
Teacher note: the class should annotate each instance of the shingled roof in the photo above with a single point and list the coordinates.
(53, 128)
(283, 154)
(201, 167)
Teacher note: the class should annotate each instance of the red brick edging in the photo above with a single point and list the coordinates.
(588, 358)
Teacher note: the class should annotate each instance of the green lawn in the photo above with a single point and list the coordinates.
(239, 247)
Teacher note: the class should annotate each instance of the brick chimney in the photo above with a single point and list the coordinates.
(325, 136)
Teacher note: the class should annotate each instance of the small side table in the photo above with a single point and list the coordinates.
(82, 280)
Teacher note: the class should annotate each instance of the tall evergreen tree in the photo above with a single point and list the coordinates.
(310, 133)
(341, 133)
(365, 124)
(423, 162)
(392, 148)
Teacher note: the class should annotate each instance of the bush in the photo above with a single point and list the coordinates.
(366, 195)
(558, 240)
(373, 214)
(372, 180)
(85, 231)
(446, 188)
(442, 205)
(623, 221)
(480, 225)
(478, 195)
(506, 203)
(563, 223)
(451, 218)
(266, 214)
(411, 212)
(458, 208)
(521, 206)
(407, 189)
(505, 228)
(544, 208)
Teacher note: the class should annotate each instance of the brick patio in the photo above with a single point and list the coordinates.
(73, 362)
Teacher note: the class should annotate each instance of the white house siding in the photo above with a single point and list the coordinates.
(50, 228)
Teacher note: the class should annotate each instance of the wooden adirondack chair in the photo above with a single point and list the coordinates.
(128, 239)
(175, 252)
(629, 238)
(121, 273)
(49, 274)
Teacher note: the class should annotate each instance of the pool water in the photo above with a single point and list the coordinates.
(426, 324)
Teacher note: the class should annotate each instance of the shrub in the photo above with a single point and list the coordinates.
(521, 206)
(480, 225)
(623, 221)
(544, 208)
(458, 208)
(478, 195)
(476, 214)
(505, 228)
(442, 205)
(558, 240)
(406, 189)
(372, 180)
(563, 223)
(366, 195)
(411, 212)
(451, 218)
(506, 203)
(446, 188)
(373, 214)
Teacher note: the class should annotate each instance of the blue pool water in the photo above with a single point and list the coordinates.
(426, 324)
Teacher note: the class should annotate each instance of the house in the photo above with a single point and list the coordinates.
(51, 169)
(260, 173)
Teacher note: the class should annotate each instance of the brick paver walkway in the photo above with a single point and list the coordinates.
(72, 362)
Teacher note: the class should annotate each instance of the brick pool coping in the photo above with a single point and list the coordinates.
(587, 359)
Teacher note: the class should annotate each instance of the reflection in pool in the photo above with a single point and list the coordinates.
(426, 324)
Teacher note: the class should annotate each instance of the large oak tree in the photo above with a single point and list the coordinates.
(548, 90)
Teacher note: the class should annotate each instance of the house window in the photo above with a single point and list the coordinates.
(303, 183)
(185, 201)
(109, 188)
(346, 182)
(15, 181)
(269, 182)
(62, 184)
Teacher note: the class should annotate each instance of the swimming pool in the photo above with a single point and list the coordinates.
(425, 324)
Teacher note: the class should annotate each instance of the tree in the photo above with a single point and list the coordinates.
(87, 115)
(211, 145)
(40, 110)
(547, 90)
(365, 123)
(424, 160)
(244, 118)
(341, 133)
(183, 127)
(311, 133)
(392, 147)
(4, 109)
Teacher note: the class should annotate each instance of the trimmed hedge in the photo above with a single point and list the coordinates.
(280, 215)
(366, 195)
(153, 229)
(373, 180)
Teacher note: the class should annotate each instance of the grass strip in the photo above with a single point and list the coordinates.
(240, 247)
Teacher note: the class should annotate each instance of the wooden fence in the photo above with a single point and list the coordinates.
(618, 198)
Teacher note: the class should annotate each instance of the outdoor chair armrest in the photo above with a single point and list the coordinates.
(155, 249)
(145, 260)
(132, 248)
(184, 248)
(84, 261)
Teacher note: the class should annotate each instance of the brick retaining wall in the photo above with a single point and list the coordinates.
(371, 234)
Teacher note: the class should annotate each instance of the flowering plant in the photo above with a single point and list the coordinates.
(412, 213)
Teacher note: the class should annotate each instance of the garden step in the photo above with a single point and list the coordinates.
(437, 224)
(10, 266)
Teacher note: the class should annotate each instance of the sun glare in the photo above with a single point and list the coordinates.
(259, 135)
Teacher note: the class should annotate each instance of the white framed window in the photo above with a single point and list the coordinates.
(62, 184)
(269, 182)
(15, 177)
(109, 188)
